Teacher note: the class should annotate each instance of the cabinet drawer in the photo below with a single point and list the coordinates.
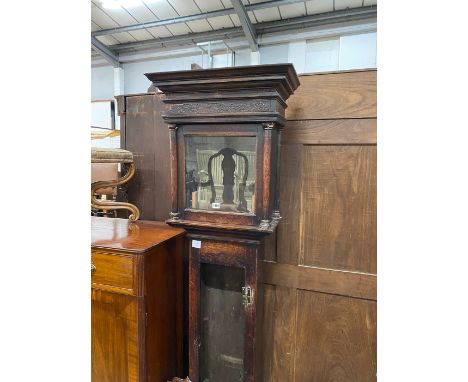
(112, 271)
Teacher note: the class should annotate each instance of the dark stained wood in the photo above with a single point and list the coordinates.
(353, 284)
(279, 341)
(337, 340)
(144, 133)
(162, 167)
(327, 197)
(269, 252)
(335, 95)
(136, 303)
(331, 131)
(139, 117)
(163, 312)
(243, 102)
(266, 168)
(268, 308)
(327, 163)
(173, 173)
(289, 230)
(339, 207)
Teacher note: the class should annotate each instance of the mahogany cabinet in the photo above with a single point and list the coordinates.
(225, 132)
(136, 294)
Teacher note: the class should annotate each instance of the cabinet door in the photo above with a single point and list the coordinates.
(222, 323)
(114, 337)
(222, 315)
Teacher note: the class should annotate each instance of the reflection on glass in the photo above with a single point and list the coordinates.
(220, 173)
(222, 324)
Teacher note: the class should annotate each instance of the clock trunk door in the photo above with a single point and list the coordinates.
(222, 323)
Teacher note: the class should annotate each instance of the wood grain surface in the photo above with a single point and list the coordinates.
(289, 231)
(339, 198)
(136, 315)
(279, 338)
(320, 282)
(334, 96)
(147, 137)
(123, 235)
(320, 285)
(113, 271)
(331, 131)
(345, 283)
(114, 334)
(338, 339)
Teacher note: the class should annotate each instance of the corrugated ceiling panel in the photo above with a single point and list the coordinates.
(269, 14)
(343, 4)
(227, 3)
(178, 29)
(162, 10)
(293, 10)
(199, 25)
(141, 13)
(221, 22)
(160, 32)
(141, 34)
(319, 6)
(209, 5)
(94, 26)
(235, 20)
(370, 2)
(246, 2)
(120, 16)
(252, 17)
(101, 19)
(184, 7)
(108, 40)
(124, 37)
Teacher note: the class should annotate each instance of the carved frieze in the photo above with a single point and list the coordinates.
(236, 106)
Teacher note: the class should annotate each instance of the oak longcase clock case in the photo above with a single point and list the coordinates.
(225, 133)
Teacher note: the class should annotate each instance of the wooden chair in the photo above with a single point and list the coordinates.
(112, 156)
(103, 172)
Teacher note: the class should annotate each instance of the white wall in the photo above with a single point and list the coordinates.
(102, 83)
(358, 51)
(337, 51)
(135, 80)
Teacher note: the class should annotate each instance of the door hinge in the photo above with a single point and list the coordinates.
(247, 295)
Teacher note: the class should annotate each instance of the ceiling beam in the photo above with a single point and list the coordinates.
(247, 27)
(200, 16)
(347, 15)
(191, 38)
(344, 15)
(105, 52)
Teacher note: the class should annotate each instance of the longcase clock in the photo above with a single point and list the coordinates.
(225, 132)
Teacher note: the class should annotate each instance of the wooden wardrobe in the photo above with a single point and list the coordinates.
(320, 274)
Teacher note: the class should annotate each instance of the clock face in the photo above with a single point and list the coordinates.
(220, 173)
